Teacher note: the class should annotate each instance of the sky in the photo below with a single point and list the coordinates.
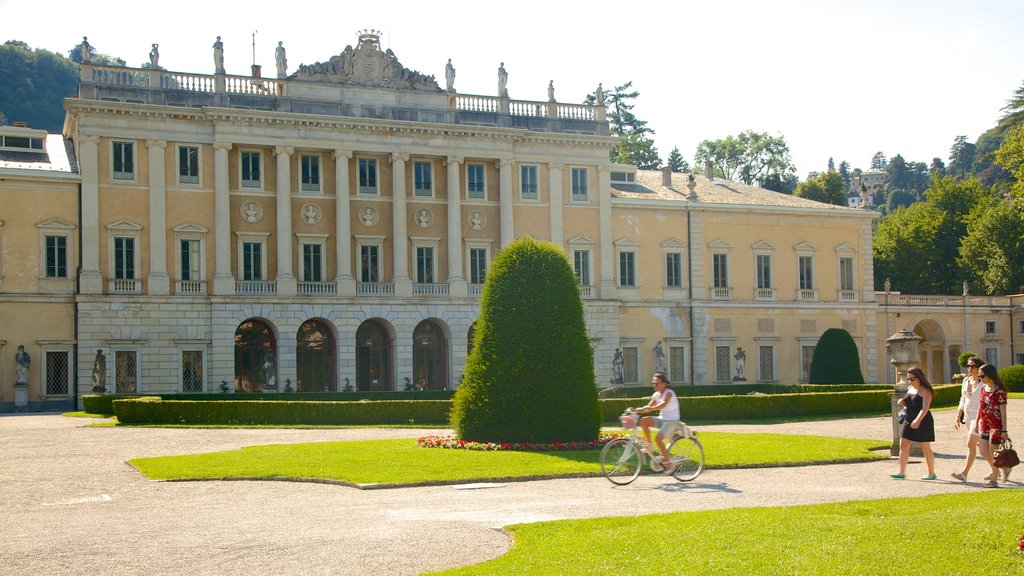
(835, 79)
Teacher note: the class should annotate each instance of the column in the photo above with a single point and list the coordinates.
(90, 279)
(223, 279)
(343, 224)
(158, 282)
(508, 233)
(556, 202)
(604, 199)
(400, 235)
(286, 285)
(457, 285)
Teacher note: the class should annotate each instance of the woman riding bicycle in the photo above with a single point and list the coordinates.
(665, 400)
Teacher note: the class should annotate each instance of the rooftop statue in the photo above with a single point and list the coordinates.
(367, 65)
(218, 56)
(281, 59)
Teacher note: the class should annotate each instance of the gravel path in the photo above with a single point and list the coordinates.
(70, 504)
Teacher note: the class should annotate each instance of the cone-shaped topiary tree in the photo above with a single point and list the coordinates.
(836, 360)
(530, 377)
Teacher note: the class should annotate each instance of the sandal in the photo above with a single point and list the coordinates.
(991, 484)
(989, 478)
(930, 477)
(669, 468)
(959, 476)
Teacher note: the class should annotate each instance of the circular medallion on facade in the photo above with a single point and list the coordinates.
(424, 218)
(311, 214)
(477, 220)
(369, 217)
(252, 212)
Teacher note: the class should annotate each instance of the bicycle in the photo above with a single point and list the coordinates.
(622, 459)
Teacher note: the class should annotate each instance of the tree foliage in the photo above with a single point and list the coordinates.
(992, 250)
(961, 156)
(750, 157)
(676, 161)
(35, 84)
(1010, 156)
(530, 376)
(636, 147)
(878, 161)
(828, 188)
(836, 359)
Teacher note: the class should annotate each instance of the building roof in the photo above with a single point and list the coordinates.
(648, 186)
(59, 156)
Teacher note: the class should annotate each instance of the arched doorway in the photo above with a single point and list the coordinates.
(373, 357)
(429, 357)
(255, 357)
(935, 357)
(314, 354)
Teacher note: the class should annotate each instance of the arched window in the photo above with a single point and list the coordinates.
(429, 357)
(373, 357)
(314, 354)
(255, 357)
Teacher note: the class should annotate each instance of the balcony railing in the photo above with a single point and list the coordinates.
(255, 287)
(586, 292)
(847, 295)
(897, 299)
(476, 290)
(430, 289)
(721, 293)
(806, 295)
(764, 294)
(124, 286)
(317, 288)
(190, 287)
(375, 289)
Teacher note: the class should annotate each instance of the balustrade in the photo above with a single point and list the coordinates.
(255, 287)
(430, 289)
(317, 288)
(721, 293)
(123, 286)
(763, 294)
(190, 287)
(375, 289)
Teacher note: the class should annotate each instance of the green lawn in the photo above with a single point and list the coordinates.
(973, 533)
(400, 461)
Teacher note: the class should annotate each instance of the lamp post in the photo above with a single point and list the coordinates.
(903, 354)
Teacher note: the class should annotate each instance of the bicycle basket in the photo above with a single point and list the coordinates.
(628, 422)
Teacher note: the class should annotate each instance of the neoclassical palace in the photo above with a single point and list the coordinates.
(331, 229)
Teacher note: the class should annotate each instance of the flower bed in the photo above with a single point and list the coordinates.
(454, 443)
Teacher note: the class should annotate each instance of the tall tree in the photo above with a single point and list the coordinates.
(676, 161)
(35, 84)
(749, 157)
(831, 164)
(992, 251)
(636, 146)
(1011, 157)
(828, 188)
(937, 167)
(878, 161)
(961, 156)
(844, 171)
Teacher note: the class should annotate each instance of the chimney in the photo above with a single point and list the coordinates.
(666, 176)
(709, 171)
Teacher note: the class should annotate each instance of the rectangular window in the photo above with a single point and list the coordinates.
(806, 265)
(124, 258)
(1020, 326)
(720, 270)
(475, 183)
(766, 363)
(1020, 358)
(423, 179)
(192, 371)
(806, 356)
(528, 182)
(125, 372)
(581, 265)
(579, 185)
(56, 256)
(677, 363)
(630, 365)
(990, 327)
(673, 270)
(57, 373)
(627, 269)
(764, 271)
(310, 173)
(846, 274)
(252, 261)
(124, 161)
(367, 176)
(369, 263)
(992, 356)
(188, 165)
(312, 263)
(424, 265)
(477, 265)
(251, 172)
(190, 261)
(723, 367)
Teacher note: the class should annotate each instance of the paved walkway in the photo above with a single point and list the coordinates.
(70, 505)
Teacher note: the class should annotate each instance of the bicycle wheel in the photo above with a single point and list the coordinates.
(620, 461)
(688, 456)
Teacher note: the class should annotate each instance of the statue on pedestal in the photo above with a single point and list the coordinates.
(617, 362)
(741, 361)
(154, 57)
(218, 56)
(99, 373)
(502, 81)
(282, 60)
(659, 355)
(22, 361)
(449, 76)
(86, 49)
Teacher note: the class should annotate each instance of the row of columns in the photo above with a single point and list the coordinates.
(223, 277)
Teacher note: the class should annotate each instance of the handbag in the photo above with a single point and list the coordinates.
(1005, 456)
(901, 416)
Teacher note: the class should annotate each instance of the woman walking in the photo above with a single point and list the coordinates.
(920, 425)
(970, 396)
(992, 420)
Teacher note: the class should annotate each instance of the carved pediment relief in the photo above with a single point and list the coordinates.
(367, 65)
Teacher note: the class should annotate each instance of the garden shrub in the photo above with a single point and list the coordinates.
(836, 360)
(1013, 377)
(530, 376)
(154, 410)
(963, 358)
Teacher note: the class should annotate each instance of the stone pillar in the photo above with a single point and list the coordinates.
(457, 285)
(400, 235)
(90, 279)
(286, 283)
(343, 224)
(604, 200)
(223, 278)
(556, 202)
(158, 282)
(508, 233)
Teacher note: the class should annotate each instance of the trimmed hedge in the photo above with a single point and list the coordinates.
(1013, 377)
(736, 389)
(154, 410)
(102, 404)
